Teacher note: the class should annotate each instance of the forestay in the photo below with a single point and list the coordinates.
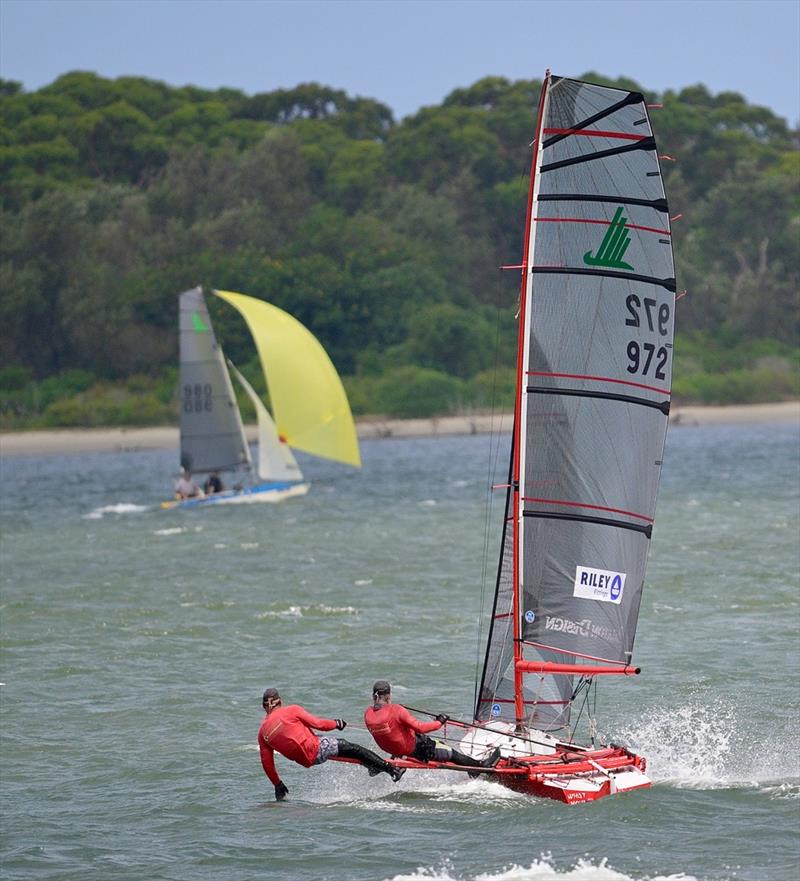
(597, 308)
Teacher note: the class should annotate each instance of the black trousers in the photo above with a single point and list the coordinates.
(363, 756)
(425, 750)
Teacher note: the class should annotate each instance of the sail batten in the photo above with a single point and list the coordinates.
(594, 379)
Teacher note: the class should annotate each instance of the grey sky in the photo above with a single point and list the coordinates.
(409, 53)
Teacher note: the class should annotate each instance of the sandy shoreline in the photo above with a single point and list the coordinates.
(95, 440)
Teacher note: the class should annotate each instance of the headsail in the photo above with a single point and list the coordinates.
(309, 403)
(212, 435)
(597, 307)
(275, 459)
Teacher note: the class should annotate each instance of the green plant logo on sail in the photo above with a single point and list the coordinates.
(613, 247)
(198, 324)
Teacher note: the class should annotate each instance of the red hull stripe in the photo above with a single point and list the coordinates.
(595, 133)
(649, 388)
(661, 232)
(585, 505)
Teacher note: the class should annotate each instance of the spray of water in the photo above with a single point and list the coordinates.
(120, 508)
(706, 744)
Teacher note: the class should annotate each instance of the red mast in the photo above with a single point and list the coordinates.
(519, 705)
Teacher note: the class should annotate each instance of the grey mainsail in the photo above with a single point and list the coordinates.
(593, 400)
(212, 435)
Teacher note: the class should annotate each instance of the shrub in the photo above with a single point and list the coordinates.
(417, 392)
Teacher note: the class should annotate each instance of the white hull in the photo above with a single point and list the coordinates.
(262, 493)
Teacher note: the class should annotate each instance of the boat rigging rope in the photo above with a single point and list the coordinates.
(493, 454)
(502, 734)
(584, 685)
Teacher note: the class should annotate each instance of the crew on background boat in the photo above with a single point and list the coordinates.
(213, 484)
(400, 734)
(186, 488)
(287, 730)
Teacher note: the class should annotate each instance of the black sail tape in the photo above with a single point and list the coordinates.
(644, 144)
(630, 98)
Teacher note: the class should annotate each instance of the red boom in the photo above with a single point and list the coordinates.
(585, 669)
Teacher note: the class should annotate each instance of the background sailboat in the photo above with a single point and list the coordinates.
(310, 407)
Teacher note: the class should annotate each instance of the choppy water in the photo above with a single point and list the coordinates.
(136, 644)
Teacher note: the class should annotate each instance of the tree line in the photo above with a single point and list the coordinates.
(383, 237)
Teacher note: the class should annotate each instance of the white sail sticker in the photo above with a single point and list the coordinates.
(599, 584)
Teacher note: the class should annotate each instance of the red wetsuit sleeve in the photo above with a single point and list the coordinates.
(422, 727)
(268, 762)
(314, 722)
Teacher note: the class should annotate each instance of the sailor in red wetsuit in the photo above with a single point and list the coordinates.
(287, 730)
(400, 734)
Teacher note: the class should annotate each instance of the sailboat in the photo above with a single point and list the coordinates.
(592, 401)
(309, 405)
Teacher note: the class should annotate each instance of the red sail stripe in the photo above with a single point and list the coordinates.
(502, 700)
(542, 645)
(585, 505)
(650, 388)
(662, 232)
(595, 133)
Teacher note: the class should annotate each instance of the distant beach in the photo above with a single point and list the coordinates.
(110, 440)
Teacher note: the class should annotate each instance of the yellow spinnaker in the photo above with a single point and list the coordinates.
(309, 403)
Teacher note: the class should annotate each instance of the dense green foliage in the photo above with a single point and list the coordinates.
(384, 238)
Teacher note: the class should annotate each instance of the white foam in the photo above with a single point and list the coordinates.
(542, 869)
(174, 530)
(119, 508)
(302, 611)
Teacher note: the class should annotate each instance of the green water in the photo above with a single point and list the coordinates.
(136, 644)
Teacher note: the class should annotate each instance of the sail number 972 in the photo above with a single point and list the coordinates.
(647, 313)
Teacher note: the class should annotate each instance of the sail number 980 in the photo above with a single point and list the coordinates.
(641, 358)
(197, 398)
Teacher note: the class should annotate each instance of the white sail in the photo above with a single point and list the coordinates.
(275, 459)
(212, 436)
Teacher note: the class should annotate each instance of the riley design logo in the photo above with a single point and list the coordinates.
(599, 584)
(613, 247)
